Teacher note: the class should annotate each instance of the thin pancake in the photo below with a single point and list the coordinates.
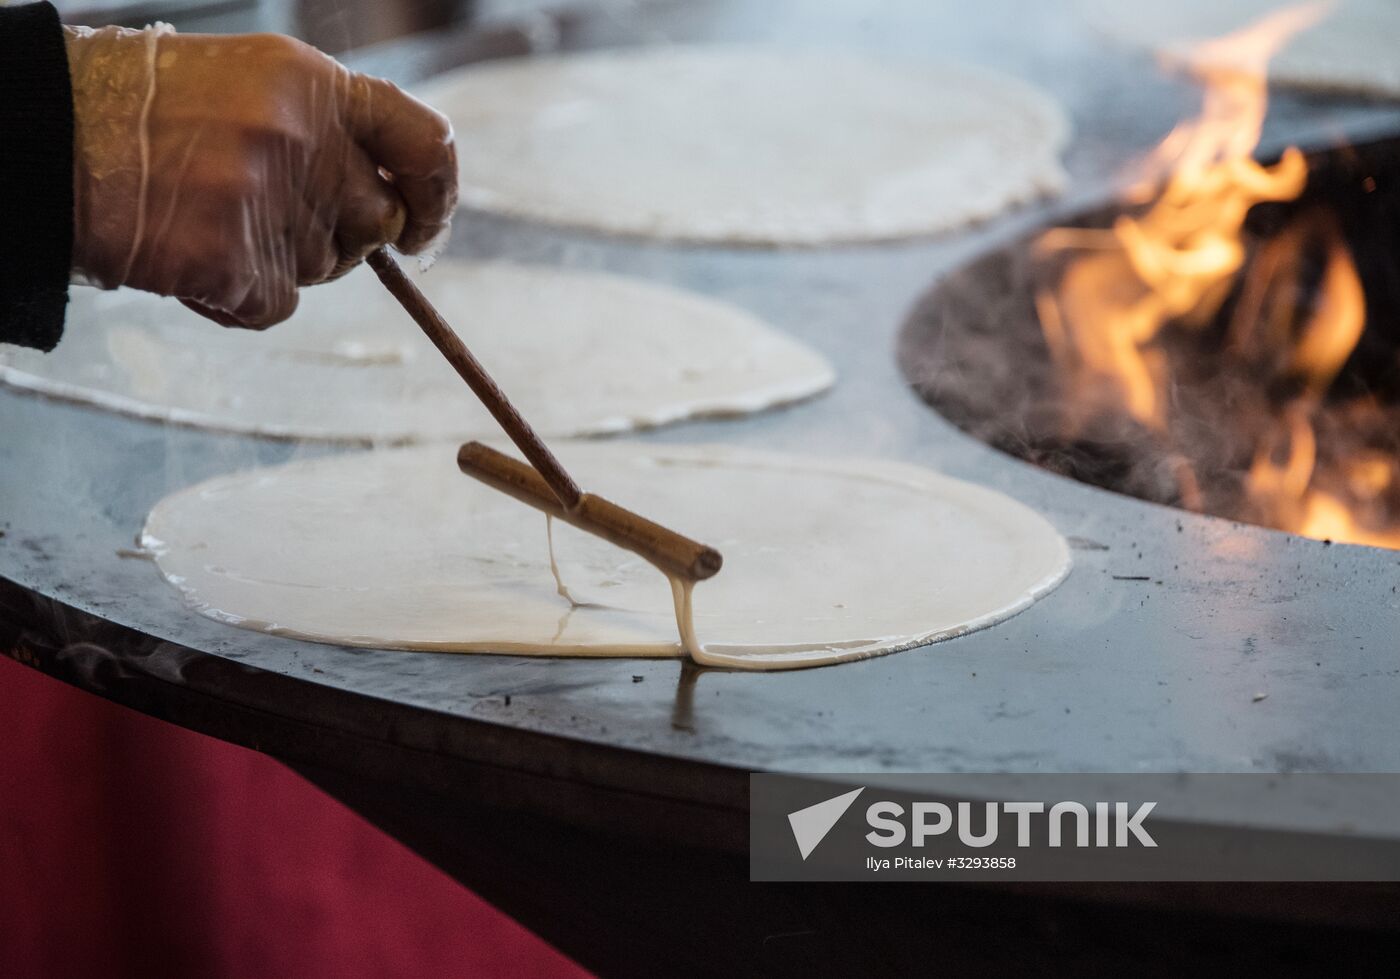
(580, 353)
(824, 561)
(749, 145)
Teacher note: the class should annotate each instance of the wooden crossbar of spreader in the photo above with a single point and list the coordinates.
(673, 553)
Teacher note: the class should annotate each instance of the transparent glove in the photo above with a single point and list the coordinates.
(230, 170)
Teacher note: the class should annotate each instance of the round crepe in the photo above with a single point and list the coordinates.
(579, 354)
(748, 145)
(1351, 49)
(823, 561)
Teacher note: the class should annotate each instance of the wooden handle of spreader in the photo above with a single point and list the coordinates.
(562, 485)
(671, 552)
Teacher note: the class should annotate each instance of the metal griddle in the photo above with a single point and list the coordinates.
(1110, 673)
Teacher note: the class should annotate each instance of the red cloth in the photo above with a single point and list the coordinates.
(131, 847)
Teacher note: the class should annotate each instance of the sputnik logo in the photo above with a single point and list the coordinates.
(810, 825)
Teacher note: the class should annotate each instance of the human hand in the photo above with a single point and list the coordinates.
(230, 170)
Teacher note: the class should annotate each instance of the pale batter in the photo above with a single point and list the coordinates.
(749, 145)
(579, 353)
(1351, 48)
(823, 561)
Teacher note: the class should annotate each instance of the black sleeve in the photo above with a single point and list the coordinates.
(36, 176)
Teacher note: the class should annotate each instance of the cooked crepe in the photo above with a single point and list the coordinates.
(1351, 47)
(823, 561)
(579, 353)
(748, 145)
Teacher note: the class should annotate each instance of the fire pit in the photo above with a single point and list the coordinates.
(1223, 338)
(1248, 427)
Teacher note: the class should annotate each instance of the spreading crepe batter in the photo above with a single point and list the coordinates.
(580, 353)
(734, 144)
(823, 561)
(1352, 48)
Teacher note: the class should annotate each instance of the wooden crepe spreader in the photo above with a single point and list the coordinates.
(547, 486)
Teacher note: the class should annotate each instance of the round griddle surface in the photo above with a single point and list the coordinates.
(1147, 659)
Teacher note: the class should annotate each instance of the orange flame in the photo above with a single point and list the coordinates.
(1177, 261)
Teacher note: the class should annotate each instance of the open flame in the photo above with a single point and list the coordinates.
(1175, 260)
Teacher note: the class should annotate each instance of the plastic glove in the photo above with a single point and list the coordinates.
(230, 170)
